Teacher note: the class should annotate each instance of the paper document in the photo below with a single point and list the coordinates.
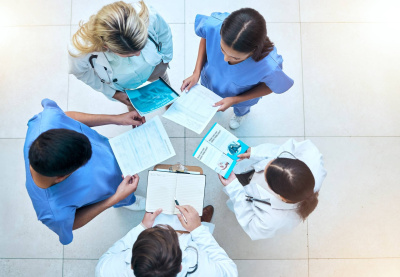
(142, 147)
(164, 187)
(173, 221)
(148, 98)
(194, 109)
(219, 150)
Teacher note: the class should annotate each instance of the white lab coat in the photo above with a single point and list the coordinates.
(80, 67)
(212, 259)
(260, 220)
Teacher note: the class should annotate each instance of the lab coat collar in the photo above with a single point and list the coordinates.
(101, 59)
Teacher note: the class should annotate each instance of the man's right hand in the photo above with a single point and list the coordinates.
(127, 187)
(191, 215)
(122, 97)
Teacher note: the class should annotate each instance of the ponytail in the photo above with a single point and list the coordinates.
(307, 206)
(263, 50)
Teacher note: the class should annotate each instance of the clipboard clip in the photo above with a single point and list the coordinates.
(178, 168)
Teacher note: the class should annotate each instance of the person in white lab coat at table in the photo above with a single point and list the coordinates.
(275, 187)
(160, 251)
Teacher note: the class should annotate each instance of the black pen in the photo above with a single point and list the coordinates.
(177, 203)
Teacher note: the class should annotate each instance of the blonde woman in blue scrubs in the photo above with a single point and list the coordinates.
(237, 61)
(121, 47)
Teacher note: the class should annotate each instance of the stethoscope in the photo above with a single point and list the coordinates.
(114, 81)
(192, 269)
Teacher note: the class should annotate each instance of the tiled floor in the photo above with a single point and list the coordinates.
(344, 58)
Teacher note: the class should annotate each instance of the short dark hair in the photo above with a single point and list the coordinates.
(59, 152)
(156, 253)
(245, 31)
(293, 180)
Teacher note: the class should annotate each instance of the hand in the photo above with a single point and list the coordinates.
(225, 104)
(127, 187)
(226, 182)
(191, 215)
(189, 82)
(148, 219)
(122, 97)
(130, 118)
(245, 155)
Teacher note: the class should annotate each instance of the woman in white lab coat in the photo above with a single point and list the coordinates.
(121, 47)
(274, 188)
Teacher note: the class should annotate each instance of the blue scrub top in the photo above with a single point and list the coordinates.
(230, 80)
(97, 180)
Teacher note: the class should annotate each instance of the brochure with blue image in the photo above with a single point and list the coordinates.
(151, 97)
(219, 150)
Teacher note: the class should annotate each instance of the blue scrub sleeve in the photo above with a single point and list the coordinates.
(200, 27)
(278, 81)
(62, 227)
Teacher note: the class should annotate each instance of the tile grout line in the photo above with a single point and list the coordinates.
(304, 124)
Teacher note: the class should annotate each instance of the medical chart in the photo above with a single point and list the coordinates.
(164, 187)
(219, 150)
(142, 147)
(151, 97)
(194, 109)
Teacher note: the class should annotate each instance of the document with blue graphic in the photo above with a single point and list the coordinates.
(151, 97)
(219, 150)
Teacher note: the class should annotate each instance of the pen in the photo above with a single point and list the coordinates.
(177, 203)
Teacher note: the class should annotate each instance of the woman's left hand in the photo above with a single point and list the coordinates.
(130, 118)
(225, 103)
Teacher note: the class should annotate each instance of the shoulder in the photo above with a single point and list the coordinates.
(212, 21)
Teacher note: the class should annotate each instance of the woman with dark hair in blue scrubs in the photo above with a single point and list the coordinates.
(237, 61)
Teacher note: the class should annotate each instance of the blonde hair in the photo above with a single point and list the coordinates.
(116, 26)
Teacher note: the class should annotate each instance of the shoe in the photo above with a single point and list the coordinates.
(235, 121)
(139, 205)
(207, 214)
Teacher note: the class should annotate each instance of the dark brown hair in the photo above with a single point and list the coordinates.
(293, 180)
(245, 31)
(156, 253)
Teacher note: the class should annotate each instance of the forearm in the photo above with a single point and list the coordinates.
(201, 57)
(93, 120)
(85, 214)
(256, 92)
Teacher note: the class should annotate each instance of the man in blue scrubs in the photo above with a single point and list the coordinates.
(71, 172)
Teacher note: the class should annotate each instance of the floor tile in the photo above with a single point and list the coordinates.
(79, 268)
(171, 10)
(348, 90)
(22, 235)
(277, 123)
(281, 268)
(30, 267)
(273, 11)
(102, 232)
(228, 232)
(176, 72)
(42, 12)
(349, 11)
(355, 267)
(357, 216)
(30, 74)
